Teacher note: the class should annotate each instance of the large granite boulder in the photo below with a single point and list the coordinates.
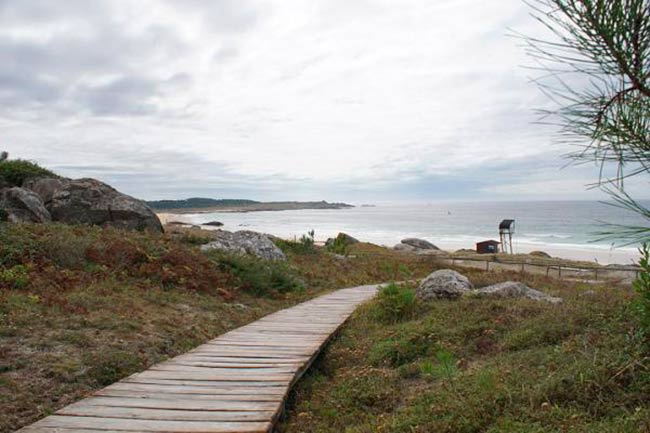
(89, 201)
(419, 244)
(245, 242)
(514, 289)
(45, 187)
(22, 205)
(444, 283)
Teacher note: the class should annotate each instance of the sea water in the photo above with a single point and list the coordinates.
(569, 229)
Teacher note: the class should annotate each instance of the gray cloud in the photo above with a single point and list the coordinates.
(221, 16)
(49, 72)
(277, 99)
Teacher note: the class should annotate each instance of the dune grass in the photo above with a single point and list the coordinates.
(82, 307)
(478, 365)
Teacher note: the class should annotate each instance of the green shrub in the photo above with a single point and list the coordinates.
(16, 171)
(641, 304)
(338, 246)
(16, 277)
(395, 303)
(260, 277)
(305, 245)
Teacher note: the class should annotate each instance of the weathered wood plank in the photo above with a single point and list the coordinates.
(55, 422)
(165, 415)
(179, 403)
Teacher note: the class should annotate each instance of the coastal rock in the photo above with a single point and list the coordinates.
(22, 205)
(405, 248)
(514, 289)
(419, 244)
(89, 201)
(342, 238)
(444, 283)
(245, 242)
(177, 223)
(45, 187)
(213, 224)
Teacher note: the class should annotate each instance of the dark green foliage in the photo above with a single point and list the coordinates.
(16, 277)
(259, 277)
(338, 245)
(641, 304)
(16, 171)
(395, 303)
(305, 245)
(4, 216)
(597, 69)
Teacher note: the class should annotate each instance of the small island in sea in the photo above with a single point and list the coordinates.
(205, 205)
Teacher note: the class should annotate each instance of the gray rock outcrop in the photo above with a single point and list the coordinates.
(89, 201)
(23, 206)
(45, 187)
(213, 224)
(514, 289)
(444, 283)
(450, 284)
(419, 244)
(245, 242)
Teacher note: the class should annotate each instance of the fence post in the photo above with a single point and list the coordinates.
(559, 271)
(596, 274)
(548, 269)
(487, 265)
(523, 267)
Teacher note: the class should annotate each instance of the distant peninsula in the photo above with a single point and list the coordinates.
(203, 205)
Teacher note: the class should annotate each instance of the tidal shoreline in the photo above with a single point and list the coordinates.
(599, 254)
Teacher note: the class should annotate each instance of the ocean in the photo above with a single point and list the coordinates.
(566, 229)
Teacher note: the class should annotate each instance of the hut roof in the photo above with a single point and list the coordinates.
(489, 241)
(506, 224)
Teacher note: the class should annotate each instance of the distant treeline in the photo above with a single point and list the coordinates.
(199, 202)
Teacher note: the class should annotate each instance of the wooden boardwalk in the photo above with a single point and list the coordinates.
(235, 383)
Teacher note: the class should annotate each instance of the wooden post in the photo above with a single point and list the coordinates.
(559, 271)
(548, 269)
(523, 267)
(596, 274)
(487, 265)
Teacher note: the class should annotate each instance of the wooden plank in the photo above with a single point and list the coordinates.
(200, 390)
(206, 383)
(232, 370)
(214, 376)
(166, 394)
(55, 422)
(178, 404)
(236, 383)
(164, 414)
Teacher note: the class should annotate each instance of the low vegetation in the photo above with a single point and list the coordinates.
(82, 307)
(15, 171)
(482, 365)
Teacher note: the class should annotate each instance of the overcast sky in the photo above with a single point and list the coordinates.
(288, 99)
